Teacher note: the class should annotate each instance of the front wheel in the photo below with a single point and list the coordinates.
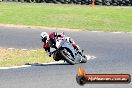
(67, 56)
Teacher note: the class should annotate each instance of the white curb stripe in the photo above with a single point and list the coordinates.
(15, 67)
(24, 49)
(117, 32)
(94, 31)
(97, 31)
(34, 50)
(11, 48)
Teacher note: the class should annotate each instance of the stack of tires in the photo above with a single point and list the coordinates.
(118, 2)
(82, 2)
(13, 0)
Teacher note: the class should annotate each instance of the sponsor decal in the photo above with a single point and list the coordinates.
(83, 78)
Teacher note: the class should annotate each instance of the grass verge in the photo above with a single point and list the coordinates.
(17, 57)
(101, 18)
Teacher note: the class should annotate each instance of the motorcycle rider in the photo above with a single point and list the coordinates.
(49, 40)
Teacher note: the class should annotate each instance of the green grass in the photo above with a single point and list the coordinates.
(101, 18)
(16, 57)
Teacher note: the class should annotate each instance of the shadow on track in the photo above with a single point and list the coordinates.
(48, 64)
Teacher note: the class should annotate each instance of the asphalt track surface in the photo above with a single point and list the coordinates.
(113, 52)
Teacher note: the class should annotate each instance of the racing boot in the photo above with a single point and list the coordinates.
(49, 54)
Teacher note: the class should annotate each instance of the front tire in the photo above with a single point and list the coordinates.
(67, 56)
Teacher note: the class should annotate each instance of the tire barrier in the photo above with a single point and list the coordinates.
(82, 2)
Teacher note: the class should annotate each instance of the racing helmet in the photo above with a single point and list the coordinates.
(44, 36)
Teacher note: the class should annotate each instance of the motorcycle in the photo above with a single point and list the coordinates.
(65, 51)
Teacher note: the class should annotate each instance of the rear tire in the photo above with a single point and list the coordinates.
(68, 58)
(56, 57)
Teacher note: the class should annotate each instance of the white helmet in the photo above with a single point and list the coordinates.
(44, 36)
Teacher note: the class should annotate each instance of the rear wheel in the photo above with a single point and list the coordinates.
(56, 56)
(67, 56)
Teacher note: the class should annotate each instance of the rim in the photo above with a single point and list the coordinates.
(68, 54)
